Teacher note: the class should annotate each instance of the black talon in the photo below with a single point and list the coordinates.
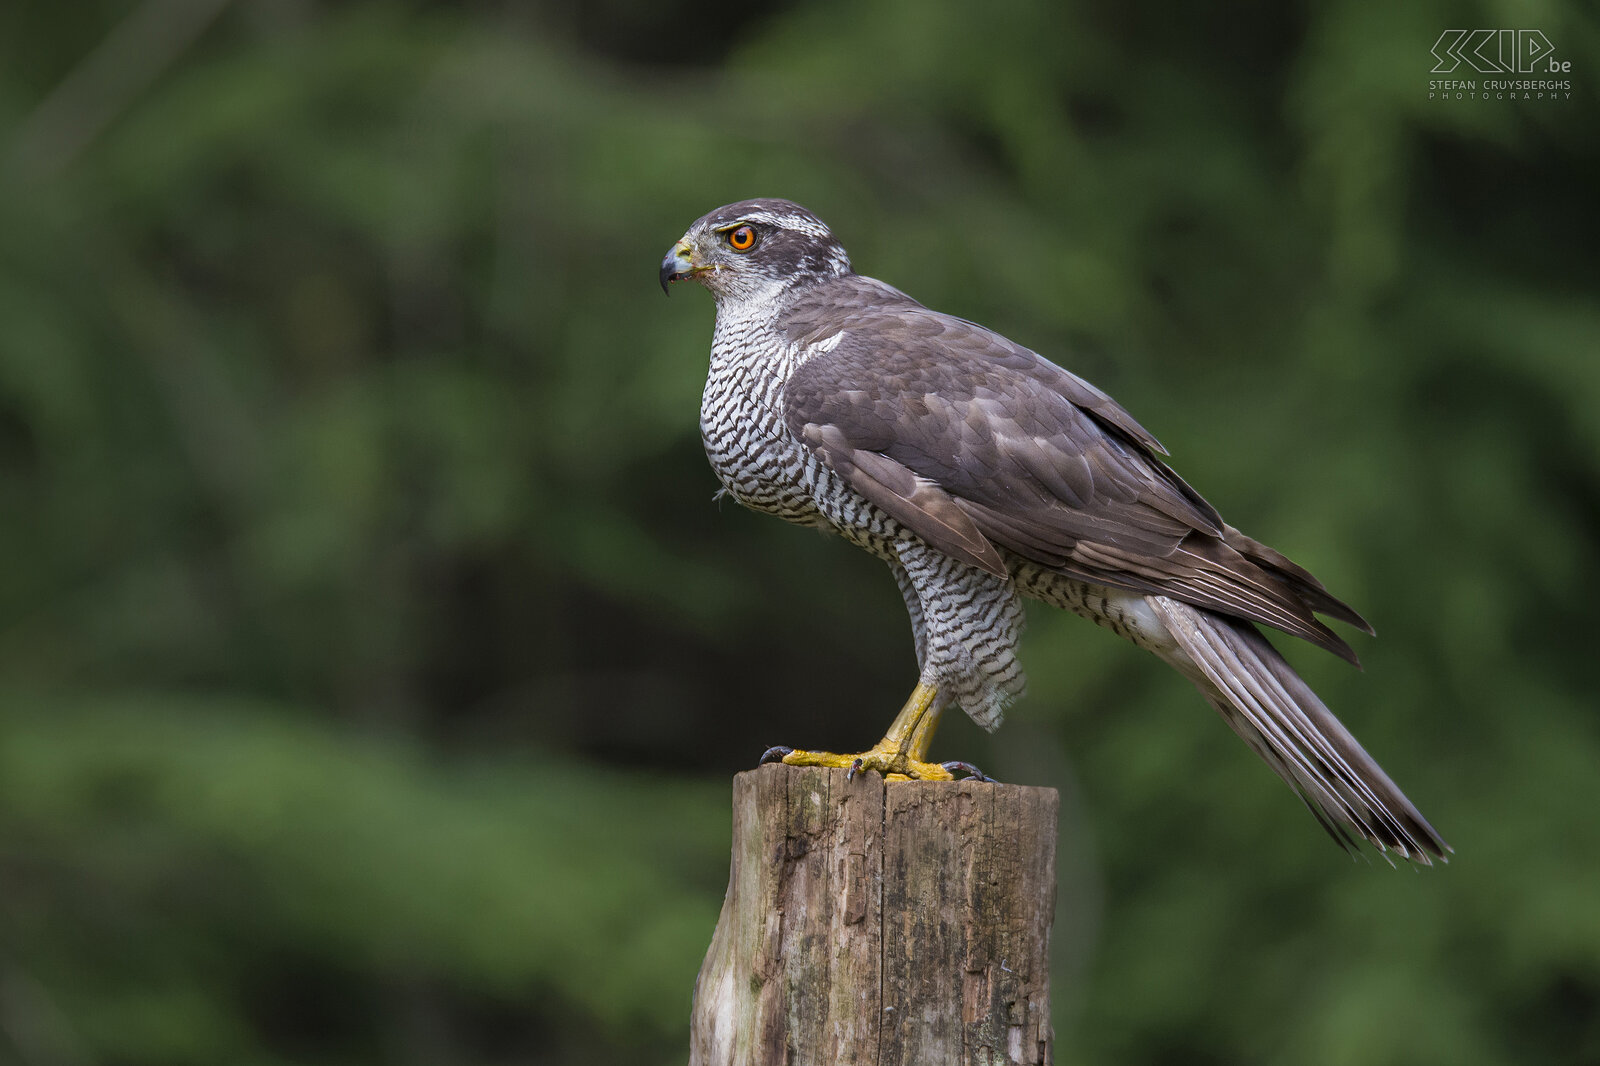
(855, 768)
(774, 754)
(974, 773)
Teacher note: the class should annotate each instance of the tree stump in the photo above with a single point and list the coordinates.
(882, 923)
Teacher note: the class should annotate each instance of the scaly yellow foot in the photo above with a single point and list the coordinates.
(893, 765)
(899, 756)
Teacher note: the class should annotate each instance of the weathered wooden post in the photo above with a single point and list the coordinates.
(891, 924)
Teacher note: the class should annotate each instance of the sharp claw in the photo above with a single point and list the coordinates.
(855, 768)
(774, 754)
(956, 766)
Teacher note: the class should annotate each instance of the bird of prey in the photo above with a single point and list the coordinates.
(982, 473)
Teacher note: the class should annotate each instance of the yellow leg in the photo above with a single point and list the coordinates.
(922, 732)
(900, 755)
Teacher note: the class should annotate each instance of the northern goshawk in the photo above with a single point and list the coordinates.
(983, 473)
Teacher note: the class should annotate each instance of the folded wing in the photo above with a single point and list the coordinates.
(975, 443)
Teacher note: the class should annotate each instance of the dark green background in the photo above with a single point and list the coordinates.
(373, 658)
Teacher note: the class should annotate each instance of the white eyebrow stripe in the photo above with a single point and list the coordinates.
(798, 223)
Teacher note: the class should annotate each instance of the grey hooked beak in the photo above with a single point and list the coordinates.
(678, 264)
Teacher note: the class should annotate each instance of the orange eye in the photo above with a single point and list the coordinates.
(742, 239)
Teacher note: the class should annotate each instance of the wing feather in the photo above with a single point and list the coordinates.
(978, 444)
(914, 501)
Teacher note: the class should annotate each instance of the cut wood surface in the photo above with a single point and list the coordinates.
(873, 923)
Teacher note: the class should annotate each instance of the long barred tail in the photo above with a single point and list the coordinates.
(1264, 701)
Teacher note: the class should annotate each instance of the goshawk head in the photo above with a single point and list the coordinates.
(755, 247)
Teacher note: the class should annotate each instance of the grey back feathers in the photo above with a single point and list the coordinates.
(1005, 448)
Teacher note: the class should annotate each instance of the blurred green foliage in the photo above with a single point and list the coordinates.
(373, 659)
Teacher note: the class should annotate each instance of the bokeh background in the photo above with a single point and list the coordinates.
(374, 660)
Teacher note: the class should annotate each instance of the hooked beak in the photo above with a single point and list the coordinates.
(678, 264)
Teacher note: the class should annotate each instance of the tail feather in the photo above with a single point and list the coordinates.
(1276, 713)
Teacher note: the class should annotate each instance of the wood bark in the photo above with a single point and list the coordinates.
(873, 923)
